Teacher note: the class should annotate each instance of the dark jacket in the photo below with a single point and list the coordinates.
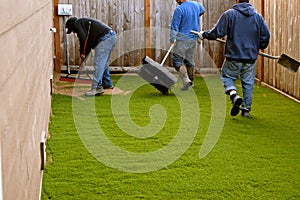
(97, 31)
(246, 32)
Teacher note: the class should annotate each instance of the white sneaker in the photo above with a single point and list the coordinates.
(236, 103)
(186, 86)
(245, 112)
(95, 92)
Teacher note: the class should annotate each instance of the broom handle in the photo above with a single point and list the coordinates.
(85, 43)
(87, 37)
(166, 56)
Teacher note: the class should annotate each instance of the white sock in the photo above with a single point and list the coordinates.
(232, 92)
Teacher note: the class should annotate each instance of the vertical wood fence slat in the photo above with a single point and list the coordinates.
(57, 38)
(147, 16)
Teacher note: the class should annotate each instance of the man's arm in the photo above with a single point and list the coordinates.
(176, 19)
(82, 34)
(219, 31)
(264, 36)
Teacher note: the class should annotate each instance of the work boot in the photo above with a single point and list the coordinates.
(185, 79)
(190, 72)
(95, 92)
(236, 103)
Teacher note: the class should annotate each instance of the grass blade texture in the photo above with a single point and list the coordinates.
(255, 158)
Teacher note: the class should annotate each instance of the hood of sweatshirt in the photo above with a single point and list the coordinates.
(245, 8)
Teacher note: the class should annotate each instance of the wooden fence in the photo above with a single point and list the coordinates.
(127, 18)
(283, 19)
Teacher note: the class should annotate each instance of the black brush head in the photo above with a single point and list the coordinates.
(164, 90)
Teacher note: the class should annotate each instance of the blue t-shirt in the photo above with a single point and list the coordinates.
(186, 17)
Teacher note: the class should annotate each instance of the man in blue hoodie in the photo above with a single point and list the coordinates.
(186, 17)
(246, 33)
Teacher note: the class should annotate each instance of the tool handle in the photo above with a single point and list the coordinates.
(197, 33)
(84, 47)
(260, 53)
(87, 37)
(268, 56)
(83, 61)
(166, 56)
(194, 32)
(220, 40)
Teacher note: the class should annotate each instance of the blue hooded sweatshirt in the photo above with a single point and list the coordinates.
(246, 32)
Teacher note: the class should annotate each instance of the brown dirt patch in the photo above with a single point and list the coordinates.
(78, 89)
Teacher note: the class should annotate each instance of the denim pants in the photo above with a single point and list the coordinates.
(102, 54)
(183, 53)
(231, 70)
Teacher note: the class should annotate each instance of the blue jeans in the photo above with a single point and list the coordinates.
(231, 70)
(183, 53)
(102, 54)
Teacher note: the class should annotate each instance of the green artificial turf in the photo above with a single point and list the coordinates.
(255, 158)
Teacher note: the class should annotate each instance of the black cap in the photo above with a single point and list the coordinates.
(70, 24)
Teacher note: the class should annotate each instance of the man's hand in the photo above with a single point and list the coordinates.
(82, 56)
(199, 34)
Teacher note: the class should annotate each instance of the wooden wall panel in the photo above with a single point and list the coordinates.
(26, 68)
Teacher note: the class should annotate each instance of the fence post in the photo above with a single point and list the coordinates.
(57, 38)
(262, 63)
(147, 27)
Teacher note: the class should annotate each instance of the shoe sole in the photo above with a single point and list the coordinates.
(236, 107)
(245, 114)
(186, 87)
(106, 88)
(97, 94)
